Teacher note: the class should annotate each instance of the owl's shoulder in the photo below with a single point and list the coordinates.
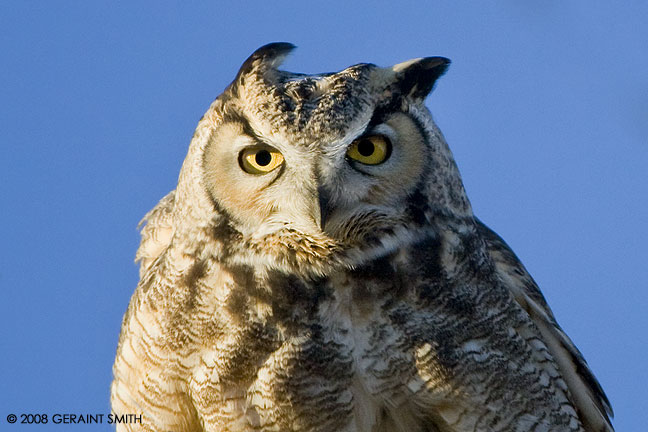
(157, 232)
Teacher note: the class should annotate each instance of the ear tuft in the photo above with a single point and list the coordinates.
(267, 57)
(417, 77)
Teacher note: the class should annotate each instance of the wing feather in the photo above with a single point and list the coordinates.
(587, 395)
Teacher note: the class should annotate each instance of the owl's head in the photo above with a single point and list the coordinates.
(310, 171)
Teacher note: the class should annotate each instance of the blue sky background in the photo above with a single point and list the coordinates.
(545, 107)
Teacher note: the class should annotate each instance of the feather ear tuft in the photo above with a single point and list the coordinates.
(266, 58)
(417, 77)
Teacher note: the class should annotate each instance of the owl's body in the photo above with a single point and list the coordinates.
(318, 268)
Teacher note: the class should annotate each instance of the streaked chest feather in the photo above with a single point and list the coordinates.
(344, 367)
(369, 350)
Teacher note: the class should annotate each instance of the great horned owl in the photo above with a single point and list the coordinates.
(319, 268)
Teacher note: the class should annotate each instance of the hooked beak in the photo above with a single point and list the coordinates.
(324, 198)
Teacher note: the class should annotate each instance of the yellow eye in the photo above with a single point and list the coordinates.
(370, 150)
(260, 160)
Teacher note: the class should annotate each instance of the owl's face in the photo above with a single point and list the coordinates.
(326, 164)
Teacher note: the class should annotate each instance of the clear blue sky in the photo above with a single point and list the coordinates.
(545, 107)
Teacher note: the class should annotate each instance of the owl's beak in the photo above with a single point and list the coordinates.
(324, 198)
